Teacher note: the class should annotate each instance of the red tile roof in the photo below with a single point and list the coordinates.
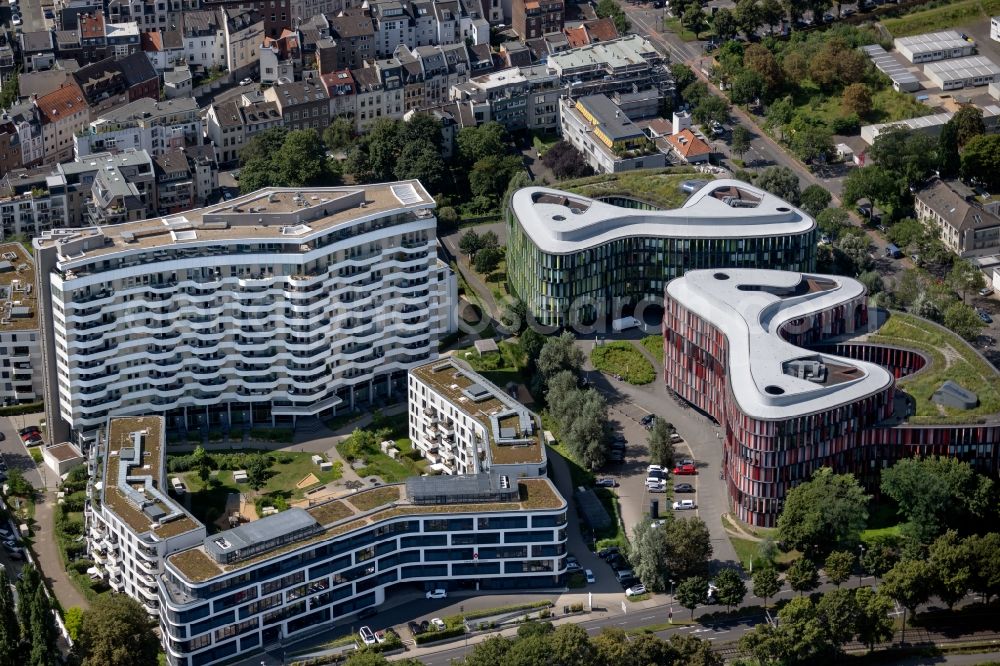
(577, 36)
(151, 41)
(61, 103)
(92, 26)
(688, 145)
(601, 30)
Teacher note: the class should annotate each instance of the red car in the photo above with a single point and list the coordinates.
(685, 469)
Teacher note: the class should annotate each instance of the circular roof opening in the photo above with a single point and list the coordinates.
(721, 276)
(558, 218)
(773, 390)
(783, 209)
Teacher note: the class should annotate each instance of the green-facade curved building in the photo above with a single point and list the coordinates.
(575, 259)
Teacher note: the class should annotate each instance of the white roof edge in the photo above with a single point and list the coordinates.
(750, 320)
(557, 229)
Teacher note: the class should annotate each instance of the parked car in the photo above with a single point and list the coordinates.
(604, 553)
(15, 19)
(438, 624)
(848, 12)
(624, 574)
(985, 316)
(692, 186)
(635, 590)
(656, 470)
(2, 437)
(590, 576)
(647, 419)
(572, 567)
(367, 636)
(986, 291)
(657, 488)
(683, 488)
(16, 554)
(28, 430)
(438, 593)
(685, 470)
(684, 505)
(607, 482)
(246, 82)
(49, 14)
(675, 438)
(686, 461)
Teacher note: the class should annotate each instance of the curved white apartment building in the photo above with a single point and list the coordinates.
(276, 305)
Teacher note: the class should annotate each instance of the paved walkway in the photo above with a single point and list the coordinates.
(46, 549)
(483, 291)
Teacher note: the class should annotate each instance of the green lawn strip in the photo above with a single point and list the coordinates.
(880, 533)
(674, 26)
(501, 368)
(615, 534)
(968, 370)
(654, 345)
(658, 187)
(456, 620)
(621, 358)
(949, 16)
(662, 626)
(639, 597)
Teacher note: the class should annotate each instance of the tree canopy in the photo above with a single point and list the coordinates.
(824, 513)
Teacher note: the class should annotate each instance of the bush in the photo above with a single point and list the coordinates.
(432, 636)
(621, 358)
(848, 125)
(566, 162)
(20, 410)
(179, 464)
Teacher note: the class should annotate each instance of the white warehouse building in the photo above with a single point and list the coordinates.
(276, 305)
(963, 72)
(934, 46)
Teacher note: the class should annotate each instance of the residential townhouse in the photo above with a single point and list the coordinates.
(281, 58)
(231, 124)
(27, 123)
(377, 96)
(155, 127)
(963, 223)
(26, 206)
(148, 15)
(10, 146)
(185, 178)
(341, 89)
(429, 72)
(351, 42)
(518, 98)
(302, 104)
(244, 32)
(535, 18)
(164, 48)
(93, 36)
(591, 32)
(21, 376)
(178, 82)
(62, 114)
(123, 39)
(38, 50)
(204, 38)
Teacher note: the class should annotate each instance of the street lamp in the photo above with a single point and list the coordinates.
(861, 563)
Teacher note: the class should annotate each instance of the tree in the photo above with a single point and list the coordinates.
(692, 592)
(747, 87)
(838, 566)
(740, 144)
(879, 556)
(949, 161)
(10, 630)
(481, 141)
(872, 281)
(588, 433)
(870, 182)
(560, 353)
(748, 16)
(202, 462)
(731, 588)
(263, 145)
(301, 161)
(872, 624)
(421, 160)
(802, 575)
(17, 485)
(531, 343)
(648, 554)
(812, 141)
(981, 161)
(984, 565)
(909, 584)
(710, 108)
(257, 470)
(968, 122)
(491, 174)
(949, 560)
(815, 199)
(690, 547)
(610, 8)
(724, 24)
(836, 612)
(116, 631)
(661, 451)
(759, 59)
(487, 260)
(936, 493)
(781, 182)
(832, 221)
(766, 583)
(339, 134)
(469, 243)
(72, 619)
(857, 249)
(907, 232)
(963, 320)
(34, 613)
(490, 652)
(10, 90)
(827, 511)
(857, 98)
(806, 640)
(693, 19)
(565, 161)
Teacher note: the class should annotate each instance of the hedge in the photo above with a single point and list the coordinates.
(432, 636)
(20, 410)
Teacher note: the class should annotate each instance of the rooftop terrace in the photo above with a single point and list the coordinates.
(18, 303)
(358, 511)
(490, 406)
(134, 491)
(294, 216)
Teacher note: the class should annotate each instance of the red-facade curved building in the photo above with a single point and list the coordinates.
(755, 350)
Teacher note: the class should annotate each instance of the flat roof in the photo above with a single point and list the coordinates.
(932, 41)
(338, 517)
(749, 306)
(886, 63)
(18, 296)
(628, 51)
(64, 451)
(476, 396)
(292, 215)
(560, 223)
(963, 68)
(611, 120)
(143, 480)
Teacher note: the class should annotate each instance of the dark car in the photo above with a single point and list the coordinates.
(985, 316)
(647, 419)
(49, 14)
(607, 483)
(603, 553)
(27, 431)
(2, 437)
(683, 488)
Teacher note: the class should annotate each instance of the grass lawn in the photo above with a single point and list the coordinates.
(658, 187)
(887, 106)
(501, 367)
(621, 358)
(948, 17)
(409, 463)
(674, 26)
(746, 551)
(654, 345)
(208, 500)
(951, 358)
(543, 141)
